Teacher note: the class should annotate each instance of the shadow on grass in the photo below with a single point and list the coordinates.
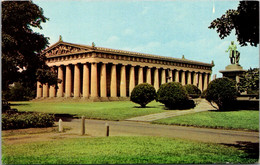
(65, 117)
(144, 107)
(251, 149)
(231, 110)
(14, 104)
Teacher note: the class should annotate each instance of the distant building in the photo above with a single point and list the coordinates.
(108, 74)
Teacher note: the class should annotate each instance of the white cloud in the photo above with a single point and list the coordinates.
(128, 31)
(145, 10)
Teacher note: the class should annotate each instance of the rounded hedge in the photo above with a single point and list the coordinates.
(143, 94)
(193, 91)
(223, 92)
(174, 96)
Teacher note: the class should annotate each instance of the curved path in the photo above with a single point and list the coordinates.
(129, 128)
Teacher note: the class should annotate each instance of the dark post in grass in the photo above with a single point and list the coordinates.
(60, 126)
(83, 125)
(107, 131)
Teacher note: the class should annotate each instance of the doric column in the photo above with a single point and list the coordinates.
(195, 79)
(140, 75)
(103, 81)
(156, 79)
(205, 84)
(183, 78)
(177, 79)
(76, 81)
(169, 78)
(163, 77)
(148, 76)
(60, 85)
(39, 90)
(68, 82)
(113, 86)
(209, 78)
(123, 82)
(131, 79)
(94, 92)
(45, 92)
(200, 81)
(52, 91)
(85, 85)
(189, 77)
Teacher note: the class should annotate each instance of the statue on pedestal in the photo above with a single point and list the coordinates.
(234, 55)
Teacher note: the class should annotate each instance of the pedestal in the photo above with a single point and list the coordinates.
(233, 71)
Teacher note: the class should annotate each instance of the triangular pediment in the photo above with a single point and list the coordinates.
(63, 48)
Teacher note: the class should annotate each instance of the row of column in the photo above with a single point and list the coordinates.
(90, 82)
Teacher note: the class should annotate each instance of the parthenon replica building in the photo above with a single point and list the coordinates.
(103, 74)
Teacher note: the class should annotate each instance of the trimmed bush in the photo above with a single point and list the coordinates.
(26, 120)
(174, 96)
(193, 91)
(143, 94)
(223, 92)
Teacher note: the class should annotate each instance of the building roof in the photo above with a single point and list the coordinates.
(93, 48)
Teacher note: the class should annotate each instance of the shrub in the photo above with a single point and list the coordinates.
(193, 91)
(18, 92)
(174, 96)
(143, 94)
(221, 91)
(26, 120)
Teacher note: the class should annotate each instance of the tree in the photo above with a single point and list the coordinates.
(245, 21)
(143, 94)
(223, 92)
(21, 46)
(174, 96)
(249, 81)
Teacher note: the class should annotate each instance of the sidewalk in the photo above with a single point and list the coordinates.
(203, 105)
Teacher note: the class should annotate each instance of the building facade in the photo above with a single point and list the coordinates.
(103, 74)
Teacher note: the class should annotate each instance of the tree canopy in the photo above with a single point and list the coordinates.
(249, 81)
(245, 21)
(21, 46)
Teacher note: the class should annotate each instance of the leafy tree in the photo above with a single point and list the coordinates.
(223, 92)
(21, 46)
(18, 92)
(174, 96)
(193, 91)
(245, 21)
(143, 94)
(249, 81)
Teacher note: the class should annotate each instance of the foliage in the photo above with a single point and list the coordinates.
(17, 92)
(203, 94)
(193, 91)
(222, 91)
(26, 120)
(115, 110)
(238, 120)
(174, 96)
(21, 47)
(143, 94)
(245, 21)
(126, 150)
(249, 81)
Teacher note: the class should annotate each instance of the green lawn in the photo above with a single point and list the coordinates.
(118, 110)
(244, 119)
(118, 150)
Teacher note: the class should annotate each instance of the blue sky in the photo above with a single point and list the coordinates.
(166, 28)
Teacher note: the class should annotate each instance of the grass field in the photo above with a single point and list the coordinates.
(244, 119)
(93, 110)
(118, 150)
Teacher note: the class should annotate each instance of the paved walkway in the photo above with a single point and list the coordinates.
(97, 128)
(203, 105)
